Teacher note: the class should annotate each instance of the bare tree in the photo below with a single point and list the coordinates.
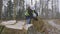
(14, 16)
(0, 8)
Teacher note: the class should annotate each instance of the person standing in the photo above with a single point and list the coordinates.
(29, 14)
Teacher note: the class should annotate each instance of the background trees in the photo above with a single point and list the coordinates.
(16, 9)
(0, 8)
(9, 9)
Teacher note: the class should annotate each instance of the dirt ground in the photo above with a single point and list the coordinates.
(46, 26)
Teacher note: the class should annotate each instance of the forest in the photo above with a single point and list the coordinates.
(13, 11)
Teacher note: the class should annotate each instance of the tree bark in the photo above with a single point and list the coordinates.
(0, 8)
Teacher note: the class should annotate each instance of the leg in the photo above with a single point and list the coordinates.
(28, 21)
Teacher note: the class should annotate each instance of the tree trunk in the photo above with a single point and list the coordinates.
(0, 8)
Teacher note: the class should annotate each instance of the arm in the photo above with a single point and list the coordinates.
(35, 12)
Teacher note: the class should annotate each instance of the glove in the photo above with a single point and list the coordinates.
(35, 18)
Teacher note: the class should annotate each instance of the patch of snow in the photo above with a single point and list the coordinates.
(8, 22)
(19, 25)
(15, 26)
(27, 26)
(52, 23)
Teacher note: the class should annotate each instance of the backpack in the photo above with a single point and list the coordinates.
(34, 14)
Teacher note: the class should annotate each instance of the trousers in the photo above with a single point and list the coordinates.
(28, 20)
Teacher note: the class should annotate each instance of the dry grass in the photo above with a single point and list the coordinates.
(50, 28)
(39, 25)
(13, 31)
(57, 21)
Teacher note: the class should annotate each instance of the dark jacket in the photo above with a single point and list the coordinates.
(30, 12)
